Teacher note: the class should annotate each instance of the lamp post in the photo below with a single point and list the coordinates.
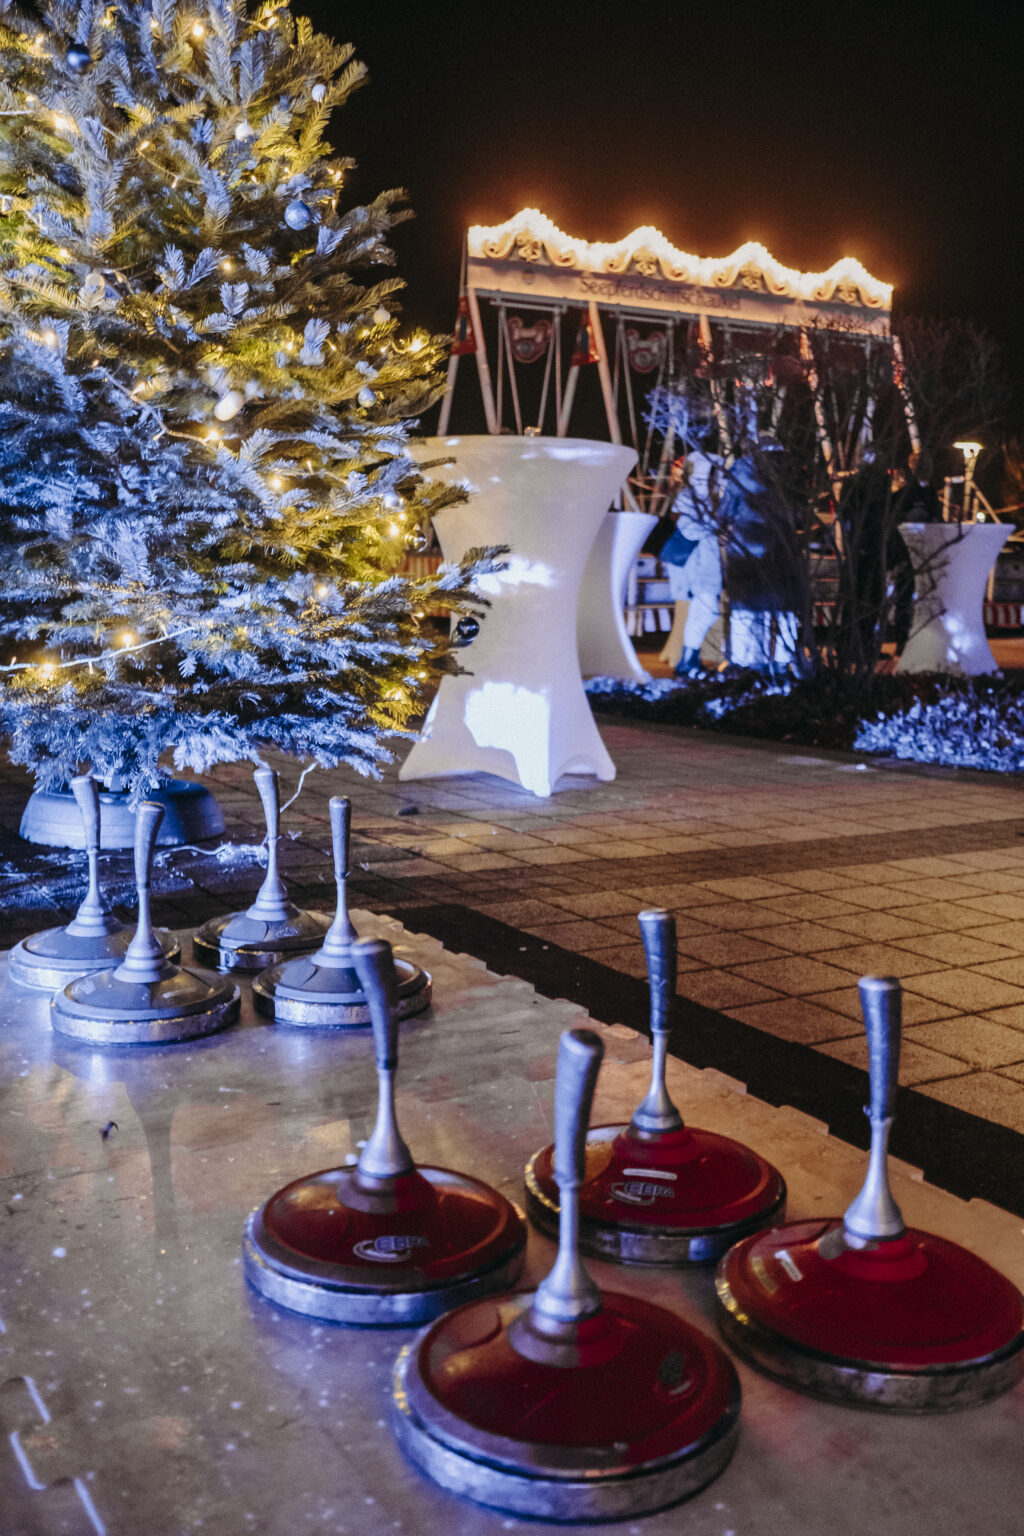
(970, 452)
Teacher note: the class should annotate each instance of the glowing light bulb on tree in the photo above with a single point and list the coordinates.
(229, 405)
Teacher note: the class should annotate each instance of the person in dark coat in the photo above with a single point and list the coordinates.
(762, 562)
(916, 501)
(868, 549)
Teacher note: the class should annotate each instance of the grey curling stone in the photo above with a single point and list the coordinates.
(323, 990)
(146, 1000)
(273, 928)
(95, 939)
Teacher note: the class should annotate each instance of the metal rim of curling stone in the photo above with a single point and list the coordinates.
(567, 1404)
(383, 1242)
(656, 1191)
(861, 1309)
(567, 1482)
(146, 1000)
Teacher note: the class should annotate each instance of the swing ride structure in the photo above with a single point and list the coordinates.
(637, 311)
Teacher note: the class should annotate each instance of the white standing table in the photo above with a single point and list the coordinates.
(951, 567)
(520, 710)
(605, 648)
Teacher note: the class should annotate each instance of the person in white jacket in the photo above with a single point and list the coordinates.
(696, 572)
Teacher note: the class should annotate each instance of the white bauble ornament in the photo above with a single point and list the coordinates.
(318, 92)
(366, 398)
(229, 405)
(298, 215)
(245, 130)
(381, 316)
(94, 289)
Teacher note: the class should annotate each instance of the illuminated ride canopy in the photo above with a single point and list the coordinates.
(527, 267)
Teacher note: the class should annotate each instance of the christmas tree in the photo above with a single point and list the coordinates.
(205, 490)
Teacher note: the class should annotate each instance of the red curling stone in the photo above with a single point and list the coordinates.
(332, 1247)
(656, 1191)
(863, 1310)
(567, 1405)
(386, 1242)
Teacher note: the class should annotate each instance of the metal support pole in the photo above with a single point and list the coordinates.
(483, 368)
(605, 373)
(446, 398)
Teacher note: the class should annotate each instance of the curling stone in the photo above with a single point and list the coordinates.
(273, 928)
(862, 1309)
(323, 989)
(566, 1404)
(94, 940)
(657, 1191)
(146, 1000)
(388, 1241)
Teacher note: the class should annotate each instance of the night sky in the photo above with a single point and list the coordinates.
(891, 133)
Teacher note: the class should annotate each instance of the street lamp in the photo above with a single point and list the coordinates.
(970, 452)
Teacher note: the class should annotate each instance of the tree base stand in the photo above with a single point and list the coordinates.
(52, 818)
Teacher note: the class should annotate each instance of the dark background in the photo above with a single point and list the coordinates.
(891, 133)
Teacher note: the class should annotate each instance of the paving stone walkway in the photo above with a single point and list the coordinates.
(790, 874)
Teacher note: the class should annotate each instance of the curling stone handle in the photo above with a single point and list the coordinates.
(341, 935)
(147, 824)
(880, 1001)
(385, 1155)
(568, 1294)
(874, 1216)
(376, 971)
(341, 820)
(92, 920)
(658, 931)
(579, 1061)
(87, 798)
(271, 904)
(657, 1115)
(144, 960)
(270, 795)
